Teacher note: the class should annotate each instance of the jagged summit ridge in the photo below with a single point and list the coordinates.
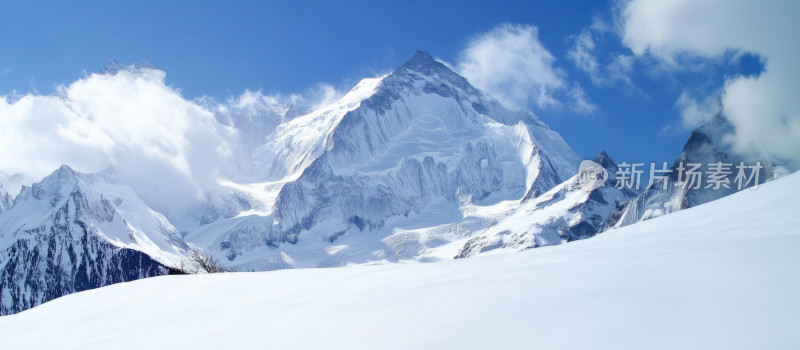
(607, 163)
(420, 58)
(422, 62)
(113, 67)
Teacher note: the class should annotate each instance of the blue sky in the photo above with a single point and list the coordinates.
(220, 49)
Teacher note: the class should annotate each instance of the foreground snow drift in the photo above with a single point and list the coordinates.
(722, 275)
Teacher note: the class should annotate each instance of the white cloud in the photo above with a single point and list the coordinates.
(765, 109)
(603, 71)
(619, 70)
(511, 64)
(318, 96)
(169, 149)
(579, 101)
(582, 55)
(695, 113)
(163, 145)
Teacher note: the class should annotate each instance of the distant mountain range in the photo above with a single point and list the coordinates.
(416, 165)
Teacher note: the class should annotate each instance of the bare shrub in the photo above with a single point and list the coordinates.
(201, 263)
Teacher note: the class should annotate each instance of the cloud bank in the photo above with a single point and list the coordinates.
(511, 64)
(764, 109)
(157, 141)
(171, 150)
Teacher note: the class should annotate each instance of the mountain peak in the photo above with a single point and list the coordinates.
(113, 67)
(65, 171)
(60, 180)
(605, 160)
(423, 62)
(421, 57)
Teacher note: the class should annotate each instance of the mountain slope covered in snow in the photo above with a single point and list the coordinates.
(719, 275)
(565, 213)
(73, 232)
(348, 182)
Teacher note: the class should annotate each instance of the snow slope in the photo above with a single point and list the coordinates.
(722, 275)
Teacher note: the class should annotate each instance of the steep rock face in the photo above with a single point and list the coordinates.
(385, 152)
(72, 232)
(60, 260)
(541, 164)
(567, 212)
(706, 145)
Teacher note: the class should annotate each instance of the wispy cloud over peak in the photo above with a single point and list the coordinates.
(512, 64)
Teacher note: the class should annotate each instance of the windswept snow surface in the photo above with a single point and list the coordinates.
(723, 275)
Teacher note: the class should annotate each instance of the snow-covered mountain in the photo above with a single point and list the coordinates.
(705, 146)
(402, 167)
(722, 275)
(416, 165)
(73, 232)
(390, 156)
(565, 213)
